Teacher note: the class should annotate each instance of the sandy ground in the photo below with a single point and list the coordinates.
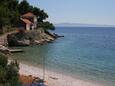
(54, 79)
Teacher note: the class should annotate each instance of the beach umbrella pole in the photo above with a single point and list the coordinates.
(43, 68)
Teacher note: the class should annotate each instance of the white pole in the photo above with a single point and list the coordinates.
(44, 68)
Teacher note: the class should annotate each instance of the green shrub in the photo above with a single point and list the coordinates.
(8, 72)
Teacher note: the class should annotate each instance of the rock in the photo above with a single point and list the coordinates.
(30, 38)
(56, 35)
(13, 40)
(4, 49)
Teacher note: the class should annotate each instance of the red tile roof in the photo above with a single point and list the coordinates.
(26, 21)
(29, 14)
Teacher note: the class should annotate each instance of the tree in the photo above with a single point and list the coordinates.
(3, 17)
(23, 7)
(12, 5)
(11, 10)
(8, 72)
(36, 11)
(42, 16)
(8, 12)
(46, 25)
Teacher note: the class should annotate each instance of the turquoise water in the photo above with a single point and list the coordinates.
(85, 52)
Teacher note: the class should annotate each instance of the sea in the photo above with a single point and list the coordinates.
(87, 53)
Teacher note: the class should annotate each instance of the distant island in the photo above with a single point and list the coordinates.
(81, 25)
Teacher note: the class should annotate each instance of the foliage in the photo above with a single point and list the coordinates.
(42, 16)
(8, 11)
(46, 25)
(8, 72)
(3, 16)
(11, 10)
(23, 7)
(3, 60)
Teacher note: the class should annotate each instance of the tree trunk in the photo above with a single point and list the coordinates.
(1, 29)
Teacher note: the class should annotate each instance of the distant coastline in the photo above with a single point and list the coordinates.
(81, 25)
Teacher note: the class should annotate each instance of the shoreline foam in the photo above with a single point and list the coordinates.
(53, 78)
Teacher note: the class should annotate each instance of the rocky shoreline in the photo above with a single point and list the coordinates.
(23, 39)
(36, 37)
(15, 39)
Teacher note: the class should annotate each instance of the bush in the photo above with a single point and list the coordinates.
(8, 72)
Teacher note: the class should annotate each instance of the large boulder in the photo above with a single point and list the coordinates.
(16, 39)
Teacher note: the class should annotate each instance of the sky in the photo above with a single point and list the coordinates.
(78, 11)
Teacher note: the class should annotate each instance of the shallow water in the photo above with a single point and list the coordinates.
(85, 52)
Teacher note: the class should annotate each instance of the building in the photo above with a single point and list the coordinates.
(28, 22)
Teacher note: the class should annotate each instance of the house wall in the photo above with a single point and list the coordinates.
(35, 22)
(27, 26)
